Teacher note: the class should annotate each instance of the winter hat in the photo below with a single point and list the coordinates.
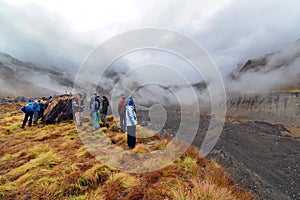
(129, 102)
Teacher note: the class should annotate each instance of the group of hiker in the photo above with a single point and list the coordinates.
(98, 111)
(98, 108)
(126, 111)
(34, 110)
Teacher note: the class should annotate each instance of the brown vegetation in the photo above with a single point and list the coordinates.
(50, 162)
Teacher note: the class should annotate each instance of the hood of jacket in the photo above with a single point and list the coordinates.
(129, 102)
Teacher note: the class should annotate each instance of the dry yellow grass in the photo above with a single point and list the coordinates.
(50, 162)
(294, 131)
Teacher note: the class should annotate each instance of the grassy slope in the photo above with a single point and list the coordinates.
(50, 162)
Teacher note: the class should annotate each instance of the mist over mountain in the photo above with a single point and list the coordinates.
(272, 72)
(276, 71)
(28, 79)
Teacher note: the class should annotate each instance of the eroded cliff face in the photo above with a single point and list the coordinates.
(283, 107)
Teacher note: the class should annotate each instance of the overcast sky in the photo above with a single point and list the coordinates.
(62, 33)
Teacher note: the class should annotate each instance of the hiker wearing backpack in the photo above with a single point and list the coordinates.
(94, 107)
(36, 109)
(133, 104)
(103, 113)
(122, 113)
(28, 110)
(131, 122)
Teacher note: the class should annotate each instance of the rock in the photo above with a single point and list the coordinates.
(20, 99)
(60, 109)
(7, 100)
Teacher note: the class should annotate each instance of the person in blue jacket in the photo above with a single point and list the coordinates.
(131, 122)
(28, 110)
(36, 109)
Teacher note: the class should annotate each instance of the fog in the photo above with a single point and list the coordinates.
(63, 34)
(281, 70)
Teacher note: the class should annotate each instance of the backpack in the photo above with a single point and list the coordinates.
(97, 104)
(94, 104)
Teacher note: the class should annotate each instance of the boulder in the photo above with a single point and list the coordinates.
(20, 99)
(7, 100)
(60, 109)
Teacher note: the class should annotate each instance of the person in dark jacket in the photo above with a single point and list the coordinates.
(36, 109)
(131, 122)
(28, 110)
(122, 113)
(103, 113)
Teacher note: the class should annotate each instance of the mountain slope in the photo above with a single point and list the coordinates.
(21, 78)
(275, 71)
(50, 162)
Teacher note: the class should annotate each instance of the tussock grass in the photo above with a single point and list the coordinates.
(42, 159)
(189, 162)
(120, 139)
(161, 144)
(110, 118)
(98, 174)
(5, 190)
(201, 190)
(144, 135)
(50, 162)
(125, 180)
(139, 148)
(96, 194)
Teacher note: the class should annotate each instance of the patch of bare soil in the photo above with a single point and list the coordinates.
(262, 157)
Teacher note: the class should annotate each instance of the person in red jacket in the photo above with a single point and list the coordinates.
(122, 113)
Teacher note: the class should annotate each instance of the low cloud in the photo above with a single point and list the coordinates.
(54, 33)
(274, 72)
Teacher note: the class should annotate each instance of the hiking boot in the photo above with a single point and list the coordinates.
(22, 127)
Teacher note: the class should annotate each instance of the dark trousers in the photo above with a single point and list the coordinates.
(123, 122)
(30, 115)
(131, 139)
